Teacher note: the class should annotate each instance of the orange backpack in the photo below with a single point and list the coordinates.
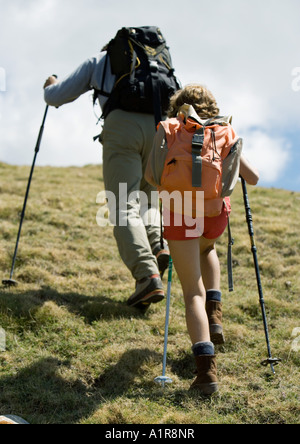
(194, 161)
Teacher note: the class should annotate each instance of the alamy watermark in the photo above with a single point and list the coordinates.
(2, 340)
(296, 340)
(2, 80)
(137, 208)
(296, 79)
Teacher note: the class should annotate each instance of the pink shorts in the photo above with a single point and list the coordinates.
(213, 228)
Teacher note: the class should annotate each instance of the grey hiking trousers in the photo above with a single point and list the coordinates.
(127, 140)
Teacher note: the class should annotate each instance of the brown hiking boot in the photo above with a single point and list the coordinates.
(214, 313)
(206, 382)
(163, 257)
(148, 291)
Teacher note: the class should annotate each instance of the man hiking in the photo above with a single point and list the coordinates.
(127, 137)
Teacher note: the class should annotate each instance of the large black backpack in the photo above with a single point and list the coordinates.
(142, 64)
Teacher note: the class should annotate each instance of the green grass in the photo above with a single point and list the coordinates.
(75, 353)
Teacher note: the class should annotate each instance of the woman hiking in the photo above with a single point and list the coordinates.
(195, 256)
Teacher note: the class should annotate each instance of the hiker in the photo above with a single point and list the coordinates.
(194, 254)
(127, 141)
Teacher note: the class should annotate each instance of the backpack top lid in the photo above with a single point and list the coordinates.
(145, 35)
(148, 40)
(188, 112)
(142, 64)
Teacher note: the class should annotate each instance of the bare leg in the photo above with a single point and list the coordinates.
(186, 257)
(210, 264)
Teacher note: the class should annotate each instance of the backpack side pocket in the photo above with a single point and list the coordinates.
(231, 168)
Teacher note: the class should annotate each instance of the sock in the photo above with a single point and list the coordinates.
(213, 295)
(203, 348)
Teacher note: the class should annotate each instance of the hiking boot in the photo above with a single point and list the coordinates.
(206, 382)
(214, 313)
(148, 291)
(163, 257)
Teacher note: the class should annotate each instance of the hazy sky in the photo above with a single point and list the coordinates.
(246, 52)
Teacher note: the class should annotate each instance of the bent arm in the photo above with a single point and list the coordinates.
(248, 172)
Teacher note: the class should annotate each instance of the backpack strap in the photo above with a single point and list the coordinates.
(189, 112)
(197, 145)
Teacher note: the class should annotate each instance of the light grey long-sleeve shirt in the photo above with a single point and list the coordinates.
(86, 77)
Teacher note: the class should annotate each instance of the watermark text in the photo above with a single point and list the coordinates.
(2, 340)
(296, 79)
(137, 208)
(2, 80)
(2, 83)
(296, 340)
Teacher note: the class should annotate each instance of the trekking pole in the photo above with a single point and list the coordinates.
(163, 380)
(270, 361)
(11, 282)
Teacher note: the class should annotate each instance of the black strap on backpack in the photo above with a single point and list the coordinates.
(197, 145)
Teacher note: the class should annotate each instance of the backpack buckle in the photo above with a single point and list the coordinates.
(198, 139)
(153, 65)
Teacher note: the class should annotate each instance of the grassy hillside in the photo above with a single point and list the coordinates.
(75, 353)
